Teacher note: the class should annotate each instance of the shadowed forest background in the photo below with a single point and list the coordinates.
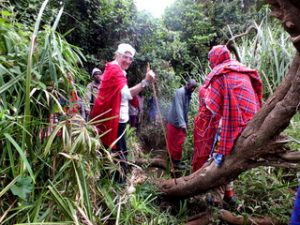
(60, 173)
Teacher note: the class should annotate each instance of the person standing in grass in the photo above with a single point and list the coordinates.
(178, 122)
(111, 108)
(229, 97)
(92, 90)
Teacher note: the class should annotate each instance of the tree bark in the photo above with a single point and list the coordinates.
(258, 143)
(240, 220)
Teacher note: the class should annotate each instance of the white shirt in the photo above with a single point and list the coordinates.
(124, 109)
(126, 96)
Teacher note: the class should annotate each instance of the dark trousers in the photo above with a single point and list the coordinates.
(122, 152)
(133, 119)
(121, 144)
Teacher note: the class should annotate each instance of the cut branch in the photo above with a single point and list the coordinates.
(155, 162)
(291, 156)
(240, 220)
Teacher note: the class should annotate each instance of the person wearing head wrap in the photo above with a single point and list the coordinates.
(111, 107)
(92, 90)
(229, 97)
(231, 93)
(178, 122)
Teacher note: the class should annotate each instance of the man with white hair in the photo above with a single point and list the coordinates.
(111, 108)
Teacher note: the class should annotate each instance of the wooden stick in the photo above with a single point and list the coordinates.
(162, 124)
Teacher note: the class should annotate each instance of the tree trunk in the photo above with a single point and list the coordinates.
(259, 143)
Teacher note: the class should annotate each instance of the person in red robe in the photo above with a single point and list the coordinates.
(111, 107)
(229, 97)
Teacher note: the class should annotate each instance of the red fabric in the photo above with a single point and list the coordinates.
(134, 102)
(205, 128)
(109, 98)
(175, 140)
(231, 92)
(72, 107)
(222, 64)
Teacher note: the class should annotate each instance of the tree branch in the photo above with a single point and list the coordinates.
(230, 43)
(241, 220)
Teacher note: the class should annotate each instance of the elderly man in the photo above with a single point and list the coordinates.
(228, 99)
(178, 122)
(111, 107)
(92, 91)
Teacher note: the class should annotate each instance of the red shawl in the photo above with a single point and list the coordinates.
(109, 98)
(231, 92)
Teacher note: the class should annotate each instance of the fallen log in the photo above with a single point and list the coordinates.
(241, 220)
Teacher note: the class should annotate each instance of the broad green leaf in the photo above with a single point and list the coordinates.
(22, 187)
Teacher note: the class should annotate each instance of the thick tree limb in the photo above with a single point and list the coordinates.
(240, 220)
(291, 156)
(155, 162)
(205, 218)
(288, 12)
(200, 219)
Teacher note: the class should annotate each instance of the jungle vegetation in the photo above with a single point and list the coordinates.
(54, 169)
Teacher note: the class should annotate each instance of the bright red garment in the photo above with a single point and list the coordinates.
(109, 99)
(231, 92)
(205, 127)
(175, 140)
(72, 107)
(134, 102)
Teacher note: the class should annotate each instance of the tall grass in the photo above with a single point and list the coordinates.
(270, 52)
(69, 174)
(32, 80)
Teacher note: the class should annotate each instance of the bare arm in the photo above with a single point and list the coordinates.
(140, 86)
(136, 89)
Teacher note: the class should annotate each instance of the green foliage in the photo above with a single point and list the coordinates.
(236, 14)
(98, 26)
(72, 169)
(269, 52)
(73, 173)
(293, 132)
(22, 187)
(195, 32)
(265, 191)
(52, 58)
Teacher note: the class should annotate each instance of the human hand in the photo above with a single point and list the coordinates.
(219, 159)
(150, 76)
